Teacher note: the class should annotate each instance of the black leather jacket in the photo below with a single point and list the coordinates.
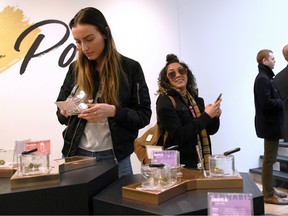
(133, 113)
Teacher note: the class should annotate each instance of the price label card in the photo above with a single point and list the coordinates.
(43, 146)
(151, 148)
(230, 204)
(169, 158)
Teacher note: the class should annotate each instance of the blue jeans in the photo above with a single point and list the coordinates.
(124, 165)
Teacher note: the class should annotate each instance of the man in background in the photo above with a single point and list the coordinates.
(281, 83)
(269, 123)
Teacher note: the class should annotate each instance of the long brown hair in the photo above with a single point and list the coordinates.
(110, 68)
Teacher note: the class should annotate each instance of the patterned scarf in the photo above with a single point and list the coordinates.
(202, 139)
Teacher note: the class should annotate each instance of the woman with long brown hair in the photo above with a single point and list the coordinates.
(108, 126)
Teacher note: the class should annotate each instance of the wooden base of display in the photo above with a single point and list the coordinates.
(152, 196)
(191, 180)
(7, 172)
(196, 180)
(53, 177)
(19, 181)
(76, 162)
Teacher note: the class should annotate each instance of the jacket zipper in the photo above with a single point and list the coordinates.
(138, 95)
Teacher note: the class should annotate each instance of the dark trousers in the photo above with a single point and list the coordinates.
(270, 155)
(286, 124)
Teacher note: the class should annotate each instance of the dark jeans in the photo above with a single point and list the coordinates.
(124, 165)
(270, 155)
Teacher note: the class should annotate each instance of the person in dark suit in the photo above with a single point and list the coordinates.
(281, 83)
(269, 123)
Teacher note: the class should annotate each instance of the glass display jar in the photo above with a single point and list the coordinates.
(221, 165)
(34, 164)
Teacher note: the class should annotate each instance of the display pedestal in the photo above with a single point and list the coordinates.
(191, 180)
(21, 181)
(193, 202)
(72, 196)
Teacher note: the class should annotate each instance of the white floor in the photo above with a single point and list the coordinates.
(270, 209)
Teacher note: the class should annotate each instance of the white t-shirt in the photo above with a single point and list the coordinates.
(96, 136)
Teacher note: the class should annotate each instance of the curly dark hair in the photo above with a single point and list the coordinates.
(164, 85)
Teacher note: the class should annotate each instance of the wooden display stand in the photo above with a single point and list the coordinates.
(7, 172)
(76, 162)
(53, 177)
(19, 181)
(191, 180)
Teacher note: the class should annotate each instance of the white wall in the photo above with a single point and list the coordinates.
(220, 40)
(217, 39)
(141, 30)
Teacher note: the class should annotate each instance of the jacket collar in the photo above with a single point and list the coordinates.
(265, 69)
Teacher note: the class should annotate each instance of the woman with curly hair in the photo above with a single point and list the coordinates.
(190, 123)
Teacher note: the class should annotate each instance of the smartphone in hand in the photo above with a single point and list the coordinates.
(219, 97)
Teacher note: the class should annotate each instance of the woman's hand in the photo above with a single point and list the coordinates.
(64, 113)
(99, 111)
(213, 110)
